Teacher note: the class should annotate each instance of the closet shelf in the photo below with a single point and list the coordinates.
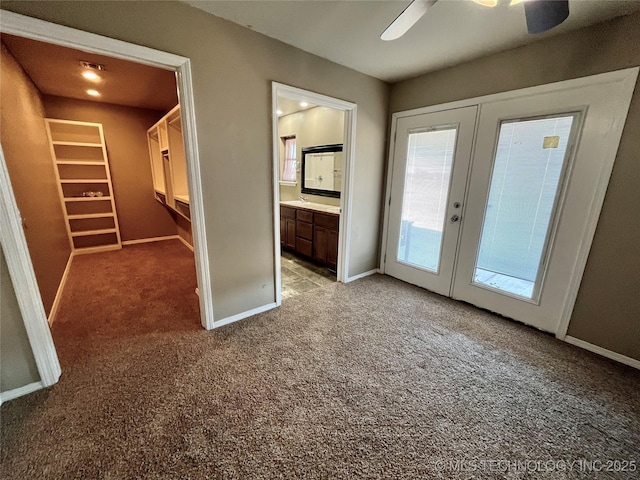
(84, 180)
(74, 146)
(86, 199)
(93, 232)
(182, 198)
(169, 164)
(79, 162)
(176, 123)
(77, 144)
(89, 215)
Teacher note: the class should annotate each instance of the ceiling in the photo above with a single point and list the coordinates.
(288, 106)
(57, 71)
(452, 31)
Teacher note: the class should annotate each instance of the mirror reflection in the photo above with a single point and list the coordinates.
(322, 170)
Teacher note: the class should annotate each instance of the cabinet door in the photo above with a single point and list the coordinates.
(290, 234)
(320, 239)
(304, 247)
(283, 230)
(332, 249)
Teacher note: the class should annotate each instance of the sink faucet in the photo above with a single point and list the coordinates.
(302, 199)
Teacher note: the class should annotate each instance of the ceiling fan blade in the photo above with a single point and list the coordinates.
(407, 19)
(543, 15)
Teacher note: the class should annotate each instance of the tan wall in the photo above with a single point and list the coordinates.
(17, 365)
(608, 304)
(316, 126)
(233, 68)
(125, 133)
(26, 150)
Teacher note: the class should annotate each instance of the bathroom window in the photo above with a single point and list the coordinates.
(290, 165)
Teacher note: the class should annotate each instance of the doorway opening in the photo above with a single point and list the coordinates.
(81, 163)
(313, 157)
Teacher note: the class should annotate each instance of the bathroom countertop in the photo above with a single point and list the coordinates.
(318, 207)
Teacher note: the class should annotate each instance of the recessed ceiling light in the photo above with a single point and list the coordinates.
(93, 93)
(304, 104)
(92, 66)
(90, 75)
(279, 112)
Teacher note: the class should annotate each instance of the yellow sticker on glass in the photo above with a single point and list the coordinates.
(551, 142)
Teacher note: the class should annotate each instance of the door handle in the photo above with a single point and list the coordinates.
(455, 218)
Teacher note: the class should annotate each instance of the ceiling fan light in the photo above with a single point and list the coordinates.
(543, 15)
(487, 3)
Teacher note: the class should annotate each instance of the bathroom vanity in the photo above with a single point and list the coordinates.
(311, 230)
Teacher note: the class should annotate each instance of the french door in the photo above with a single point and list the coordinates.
(491, 203)
(430, 168)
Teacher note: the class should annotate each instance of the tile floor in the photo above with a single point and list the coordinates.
(299, 275)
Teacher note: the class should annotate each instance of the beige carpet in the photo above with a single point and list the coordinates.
(375, 379)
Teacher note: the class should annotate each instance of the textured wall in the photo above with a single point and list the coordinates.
(26, 150)
(233, 68)
(125, 132)
(608, 305)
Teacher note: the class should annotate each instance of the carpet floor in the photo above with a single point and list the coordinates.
(374, 379)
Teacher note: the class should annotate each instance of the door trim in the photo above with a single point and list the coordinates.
(627, 78)
(346, 197)
(13, 240)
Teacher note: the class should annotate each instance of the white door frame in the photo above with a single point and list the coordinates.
(627, 79)
(12, 236)
(346, 197)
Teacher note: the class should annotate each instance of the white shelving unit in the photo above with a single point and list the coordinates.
(168, 163)
(84, 184)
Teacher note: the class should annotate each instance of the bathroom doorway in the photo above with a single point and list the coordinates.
(312, 151)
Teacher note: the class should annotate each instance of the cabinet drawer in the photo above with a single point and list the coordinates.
(287, 212)
(304, 230)
(330, 222)
(304, 247)
(305, 216)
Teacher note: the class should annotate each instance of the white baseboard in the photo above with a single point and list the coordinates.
(63, 281)
(362, 275)
(632, 362)
(150, 239)
(186, 244)
(243, 315)
(19, 392)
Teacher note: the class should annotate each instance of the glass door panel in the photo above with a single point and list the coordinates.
(528, 169)
(428, 177)
(426, 191)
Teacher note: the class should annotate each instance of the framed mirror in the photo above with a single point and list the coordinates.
(322, 170)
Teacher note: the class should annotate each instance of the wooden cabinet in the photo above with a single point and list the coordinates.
(288, 227)
(304, 232)
(82, 171)
(325, 239)
(310, 233)
(168, 163)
